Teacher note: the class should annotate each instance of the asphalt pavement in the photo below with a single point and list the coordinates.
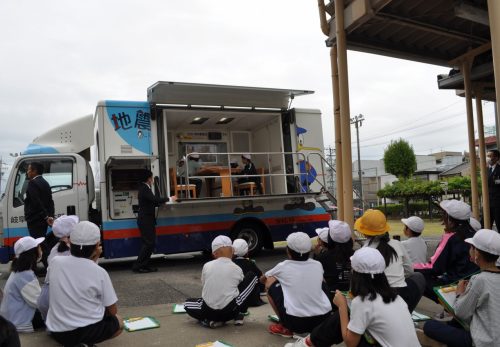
(178, 278)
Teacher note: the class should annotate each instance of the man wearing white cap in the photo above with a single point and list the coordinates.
(249, 169)
(226, 290)
(22, 289)
(415, 245)
(478, 300)
(296, 290)
(83, 306)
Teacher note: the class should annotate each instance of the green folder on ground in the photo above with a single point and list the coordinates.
(140, 323)
(274, 318)
(419, 317)
(178, 308)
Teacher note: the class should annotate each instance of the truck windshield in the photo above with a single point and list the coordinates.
(57, 172)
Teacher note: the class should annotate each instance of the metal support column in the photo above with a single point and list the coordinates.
(338, 138)
(494, 18)
(470, 131)
(482, 160)
(344, 112)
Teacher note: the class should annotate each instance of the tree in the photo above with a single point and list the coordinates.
(399, 159)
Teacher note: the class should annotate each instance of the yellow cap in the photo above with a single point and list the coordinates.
(372, 223)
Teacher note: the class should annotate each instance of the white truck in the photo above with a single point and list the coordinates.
(94, 165)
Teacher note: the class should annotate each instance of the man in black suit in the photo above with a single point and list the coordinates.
(146, 220)
(39, 207)
(494, 186)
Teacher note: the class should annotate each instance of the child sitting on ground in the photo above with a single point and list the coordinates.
(451, 260)
(375, 309)
(399, 272)
(478, 300)
(61, 228)
(337, 249)
(415, 245)
(83, 307)
(226, 290)
(22, 289)
(247, 265)
(296, 290)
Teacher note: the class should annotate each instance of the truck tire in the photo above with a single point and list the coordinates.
(252, 233)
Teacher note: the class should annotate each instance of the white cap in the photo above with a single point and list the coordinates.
(221, 241)
(247, 156)
(368, 260)
(456, 209)
(299, 242)
(182, 159)
(339, 231)
(323, 234)
(474, 223)
(194, 155)
(85, 234)
(240, 247)
(486, 240)
(26, 243)
(63, 225)
(414, 223)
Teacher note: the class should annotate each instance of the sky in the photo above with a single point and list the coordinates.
(59, 58)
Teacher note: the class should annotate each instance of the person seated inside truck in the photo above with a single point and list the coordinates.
(249, 169)
(194, 165)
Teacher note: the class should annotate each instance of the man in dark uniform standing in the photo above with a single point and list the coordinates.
(146, 220)
(494, 186)
(39, 207)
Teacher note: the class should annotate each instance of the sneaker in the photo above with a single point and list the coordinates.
(298, 343)
(278, 329)
(239, 319)
(443, 316)
(213, 324)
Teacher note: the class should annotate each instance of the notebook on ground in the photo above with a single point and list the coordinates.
(419, 317)
(140, 323)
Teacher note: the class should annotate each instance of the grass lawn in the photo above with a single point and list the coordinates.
(432, 228)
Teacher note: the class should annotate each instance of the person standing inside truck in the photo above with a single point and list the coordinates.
(39, 208)
(146, 220)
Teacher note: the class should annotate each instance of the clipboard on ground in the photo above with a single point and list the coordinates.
(447, 295)
(178, 309)
(140, 323)
(217, 343)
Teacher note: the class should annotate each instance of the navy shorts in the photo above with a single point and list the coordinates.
(90, 334)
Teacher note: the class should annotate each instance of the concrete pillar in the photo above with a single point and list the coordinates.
(344, 112)
(482, 161)
(338, 139)
(470, 132)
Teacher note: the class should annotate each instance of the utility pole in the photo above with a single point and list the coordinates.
(358, 122)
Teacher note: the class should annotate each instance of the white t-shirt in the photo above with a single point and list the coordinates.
(390, 324)
(220, 279)
(53, 253)
(416, 248)
(79, 290)
(301, 282)
(399, 269)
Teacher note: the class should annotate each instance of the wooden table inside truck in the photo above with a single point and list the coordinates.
(224, 172)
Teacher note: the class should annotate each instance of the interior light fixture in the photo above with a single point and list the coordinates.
(199, 120)
(224, 120)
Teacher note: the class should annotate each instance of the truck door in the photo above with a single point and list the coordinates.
(62, 175)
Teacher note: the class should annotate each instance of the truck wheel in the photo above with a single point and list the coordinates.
(252, 234)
